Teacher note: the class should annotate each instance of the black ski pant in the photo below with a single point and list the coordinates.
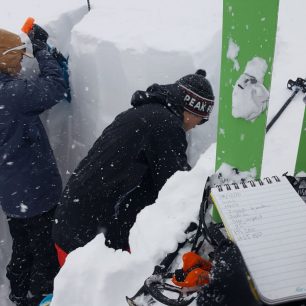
(33, 264)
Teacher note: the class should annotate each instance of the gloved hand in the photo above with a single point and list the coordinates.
(38, 37)
(58, 56)
(63, 62)
(117, 235)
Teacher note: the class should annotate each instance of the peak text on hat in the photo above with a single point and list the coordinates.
(196, 104)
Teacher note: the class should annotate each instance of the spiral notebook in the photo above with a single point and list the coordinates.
(267, 221)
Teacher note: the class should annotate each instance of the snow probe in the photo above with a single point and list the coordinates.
(60, 58)
(298, 85)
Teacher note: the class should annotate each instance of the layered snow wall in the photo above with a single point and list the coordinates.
(121, 47)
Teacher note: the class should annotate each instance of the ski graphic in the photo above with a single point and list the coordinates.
(248, 42)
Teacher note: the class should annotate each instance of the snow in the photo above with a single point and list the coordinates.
(257, 68)
(249, 96)
(232, 53)
(121, 47)
(281, 143)
(226, 174)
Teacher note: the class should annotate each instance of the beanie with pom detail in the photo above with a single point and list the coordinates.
(197, 94)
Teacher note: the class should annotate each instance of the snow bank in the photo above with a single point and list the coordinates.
(14, 12)
(119, 48)
(111, 275)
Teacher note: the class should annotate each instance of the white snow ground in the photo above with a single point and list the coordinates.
(114, 50)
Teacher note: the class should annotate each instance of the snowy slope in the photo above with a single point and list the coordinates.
(114, 50)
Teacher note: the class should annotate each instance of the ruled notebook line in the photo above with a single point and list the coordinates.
(276, 269)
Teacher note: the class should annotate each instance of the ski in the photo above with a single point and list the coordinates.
(248, 42)
(300, 166)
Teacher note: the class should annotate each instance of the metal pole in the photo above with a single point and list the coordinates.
(88, 5)
(274, 119)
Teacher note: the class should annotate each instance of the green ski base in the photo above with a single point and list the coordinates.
(300, 165)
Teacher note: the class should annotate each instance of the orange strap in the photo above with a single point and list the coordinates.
(196, 271)
(192, 259)
(197, 277)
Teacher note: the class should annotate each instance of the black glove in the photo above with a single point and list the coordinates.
(58, 56)
(229, 284)
(117, 235)
(38, 37)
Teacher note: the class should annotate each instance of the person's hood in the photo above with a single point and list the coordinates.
(169, 96)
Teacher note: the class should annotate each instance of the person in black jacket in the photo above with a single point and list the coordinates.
(130, 162)
(30, 184)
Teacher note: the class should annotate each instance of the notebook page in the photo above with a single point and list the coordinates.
(268, 223)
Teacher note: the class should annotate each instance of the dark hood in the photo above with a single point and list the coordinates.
(169, 96)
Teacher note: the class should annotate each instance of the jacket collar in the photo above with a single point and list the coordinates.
(4, 77)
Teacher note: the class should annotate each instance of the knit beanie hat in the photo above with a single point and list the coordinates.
(10, 63)
(197, 94)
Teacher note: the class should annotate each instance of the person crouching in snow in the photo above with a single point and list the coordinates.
(30, 184)
(130, 162)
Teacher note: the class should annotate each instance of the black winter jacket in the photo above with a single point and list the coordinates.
(30, 183)
(124, 170)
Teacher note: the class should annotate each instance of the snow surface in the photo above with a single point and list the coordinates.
(115, 49)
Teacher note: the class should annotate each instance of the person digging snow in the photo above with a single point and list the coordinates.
(30, 184)
(130, 162)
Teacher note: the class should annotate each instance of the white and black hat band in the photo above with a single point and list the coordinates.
(197, 104)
